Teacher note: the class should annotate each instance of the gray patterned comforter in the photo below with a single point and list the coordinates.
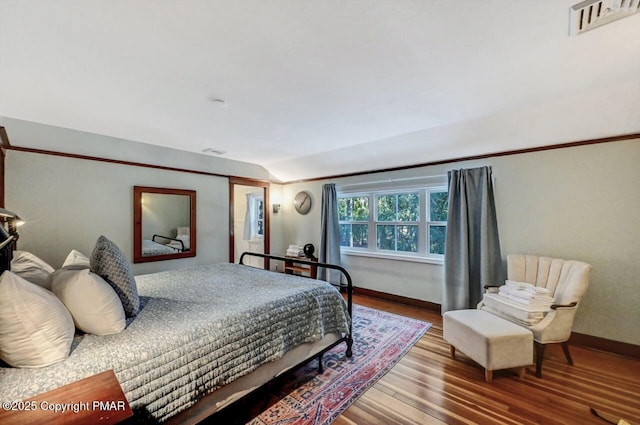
(198, 329)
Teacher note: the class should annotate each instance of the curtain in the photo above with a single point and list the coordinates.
(248, 219)
(330, 242)
(472, 249)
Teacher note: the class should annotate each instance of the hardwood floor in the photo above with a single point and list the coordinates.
(429, 387)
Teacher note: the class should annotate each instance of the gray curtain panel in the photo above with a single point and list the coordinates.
(472, 256)
(330, 242)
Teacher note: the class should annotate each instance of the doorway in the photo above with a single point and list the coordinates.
(248, 220)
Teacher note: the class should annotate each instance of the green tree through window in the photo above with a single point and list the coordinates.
(353, 214)
(401, 209)
(395, 220)
(438, 208)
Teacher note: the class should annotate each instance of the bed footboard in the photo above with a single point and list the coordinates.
(347, 286)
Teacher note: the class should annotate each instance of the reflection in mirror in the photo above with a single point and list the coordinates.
(164, 224)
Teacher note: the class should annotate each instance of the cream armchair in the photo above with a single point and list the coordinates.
(567, 282)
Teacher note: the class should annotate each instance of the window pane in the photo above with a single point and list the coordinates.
(354, 235)
(437, 236)
(360, 209)
(408, 207)
(260, 227)
(345, 235)
(353, 209)
(260, 209)
(343, 208)
(360, 235)
(386, 237)
(387, 205)
(407, 238)
(438, 205)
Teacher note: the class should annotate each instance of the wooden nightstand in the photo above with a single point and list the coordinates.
(96, 399)
(293, 266)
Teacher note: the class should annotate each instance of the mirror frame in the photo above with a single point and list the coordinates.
(137, 223)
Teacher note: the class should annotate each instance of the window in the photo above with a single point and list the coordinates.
(397, 219)
(407, 223)
(254, 218)
(437, 224)
(258, 213)
(353, 213)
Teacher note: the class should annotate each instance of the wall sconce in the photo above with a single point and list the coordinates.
(276, 208)
(13, 222)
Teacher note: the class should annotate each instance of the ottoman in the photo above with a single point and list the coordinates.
(493, 342)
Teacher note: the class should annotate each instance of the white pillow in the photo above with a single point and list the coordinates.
(29, 267)
(36, 329)
(93, 303)
(186, 241)
(76, 261)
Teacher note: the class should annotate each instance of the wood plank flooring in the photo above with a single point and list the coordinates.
(429, 387)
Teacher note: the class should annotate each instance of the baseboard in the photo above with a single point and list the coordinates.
(603, 344)
(578, 339)
(427, 305)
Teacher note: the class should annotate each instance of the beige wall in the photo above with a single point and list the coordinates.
(577, 203)
(580, 203)
(68, 203)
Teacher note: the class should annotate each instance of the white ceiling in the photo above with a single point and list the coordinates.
(316, 88)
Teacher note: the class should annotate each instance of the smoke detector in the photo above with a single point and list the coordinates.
(595, 13)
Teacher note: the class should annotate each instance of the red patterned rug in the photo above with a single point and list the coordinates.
(304, 397)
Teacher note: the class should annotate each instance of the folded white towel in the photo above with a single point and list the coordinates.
(525, 297)
(510, 292)
(525, 286)
(546, 305)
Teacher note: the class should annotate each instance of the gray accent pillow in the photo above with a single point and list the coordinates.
(108, 262)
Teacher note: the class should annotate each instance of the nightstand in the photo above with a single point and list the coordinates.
(293, 266)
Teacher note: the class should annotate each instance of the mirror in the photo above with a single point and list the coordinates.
(164, 224)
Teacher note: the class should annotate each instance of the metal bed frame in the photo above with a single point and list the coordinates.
(348, 287)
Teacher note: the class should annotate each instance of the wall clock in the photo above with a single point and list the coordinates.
(302, 202)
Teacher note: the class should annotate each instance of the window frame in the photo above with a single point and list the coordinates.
(424, 224)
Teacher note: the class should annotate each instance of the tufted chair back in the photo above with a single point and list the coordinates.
(566, 280)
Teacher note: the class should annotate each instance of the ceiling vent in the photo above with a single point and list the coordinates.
(595, 13)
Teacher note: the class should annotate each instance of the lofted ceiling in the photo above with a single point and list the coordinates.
(314, 88)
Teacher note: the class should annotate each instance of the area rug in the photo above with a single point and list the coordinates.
(381, 339)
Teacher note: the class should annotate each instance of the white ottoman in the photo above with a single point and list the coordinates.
(493, 342)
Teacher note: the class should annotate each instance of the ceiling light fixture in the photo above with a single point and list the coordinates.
(213, 151)
(218, 102)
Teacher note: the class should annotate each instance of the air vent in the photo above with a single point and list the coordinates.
(595, 13)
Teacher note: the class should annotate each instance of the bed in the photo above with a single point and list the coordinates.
(153, 247)
(199, 342)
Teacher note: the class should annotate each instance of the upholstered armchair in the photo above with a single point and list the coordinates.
(566, 281)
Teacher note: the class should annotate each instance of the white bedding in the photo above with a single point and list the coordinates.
(198, 330)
